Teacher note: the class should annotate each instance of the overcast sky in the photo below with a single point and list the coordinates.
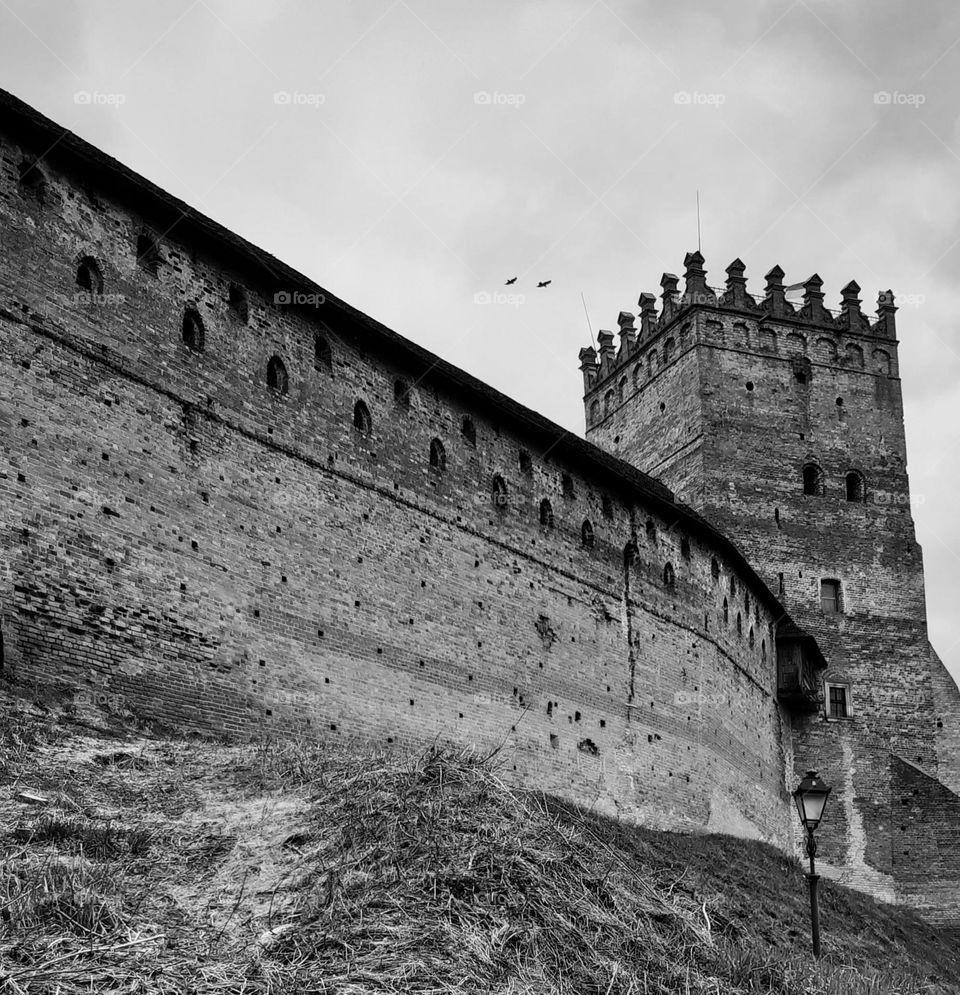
(425, 150)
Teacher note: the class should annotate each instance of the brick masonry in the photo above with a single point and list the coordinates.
(200, 526)
(727, 398)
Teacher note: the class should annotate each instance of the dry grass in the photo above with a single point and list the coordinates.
(285, 868)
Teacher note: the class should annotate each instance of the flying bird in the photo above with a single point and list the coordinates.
(544, 283)
(512, 279)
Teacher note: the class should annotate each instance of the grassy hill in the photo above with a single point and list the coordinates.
(133, 862)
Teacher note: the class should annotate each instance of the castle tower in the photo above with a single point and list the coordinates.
(782, 422)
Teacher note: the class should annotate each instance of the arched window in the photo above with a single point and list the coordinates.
(685, 547)
(566, 482)
(607, 402)
(621, 390)
(401, 394)
(277, 375)
(546, 514)
(594, 412)
(322, 356)
(668, 348)
(586, 534)
(89, 277)
(362, 421)
(499, 493)
(752, 638)
(726, 612)
(468, 431)
(651, 529)
(192, 330)
(733, 586)
(237, 303)
(763, 649)
(651, 361)
(812, 480)
(606, 506)
(526, 463)
(739, 624)
(148, 253)
(746, 603)
(714, 569)
(630, 554)
(856, 489)
(438, 455)
(669, 576)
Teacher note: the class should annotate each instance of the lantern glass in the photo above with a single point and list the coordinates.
(811, 799)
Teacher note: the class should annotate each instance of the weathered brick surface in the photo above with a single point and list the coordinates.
(186, 543)
(767, 388)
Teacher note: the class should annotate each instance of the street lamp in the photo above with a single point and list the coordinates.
(811, 799)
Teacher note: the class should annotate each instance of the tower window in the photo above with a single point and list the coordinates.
(499, 493)
(669, 575)
(89, 277)
(752, 638)
(733, 586)
(277, 375)
(362, 421)
(830, 597)
(812, 480)
(468, 431)
(586, 534)
(438, 455)
(237, 303)
(629, 554)
(148, 253)
(651, 530)
(714, 569)
(607, 402)
(739, 624)
(32, 181)
(594, 412)
(726, 612)
(322, 356)
(401, 394)
(685, 547)
(526, 463)
(606, 506)
(567, 484)
(192, 330)
(856, 490)
(837, 701)
(546, 514)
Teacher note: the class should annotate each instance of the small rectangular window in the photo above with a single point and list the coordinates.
(830, 597)
(838, 701)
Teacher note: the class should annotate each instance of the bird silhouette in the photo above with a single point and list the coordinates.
(544, 283)
(512, 279)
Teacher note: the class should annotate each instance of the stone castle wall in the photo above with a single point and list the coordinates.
(193, 545)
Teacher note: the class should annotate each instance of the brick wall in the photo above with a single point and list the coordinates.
(185, 543)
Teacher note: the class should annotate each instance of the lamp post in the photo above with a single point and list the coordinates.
(811, 799)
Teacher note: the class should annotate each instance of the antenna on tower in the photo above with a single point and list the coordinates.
(698, 221)
(592, 341)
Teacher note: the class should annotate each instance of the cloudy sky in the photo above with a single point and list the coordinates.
(428, 149)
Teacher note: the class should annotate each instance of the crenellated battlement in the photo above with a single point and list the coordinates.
(800, 303)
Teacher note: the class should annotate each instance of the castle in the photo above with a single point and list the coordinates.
(235, 504)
